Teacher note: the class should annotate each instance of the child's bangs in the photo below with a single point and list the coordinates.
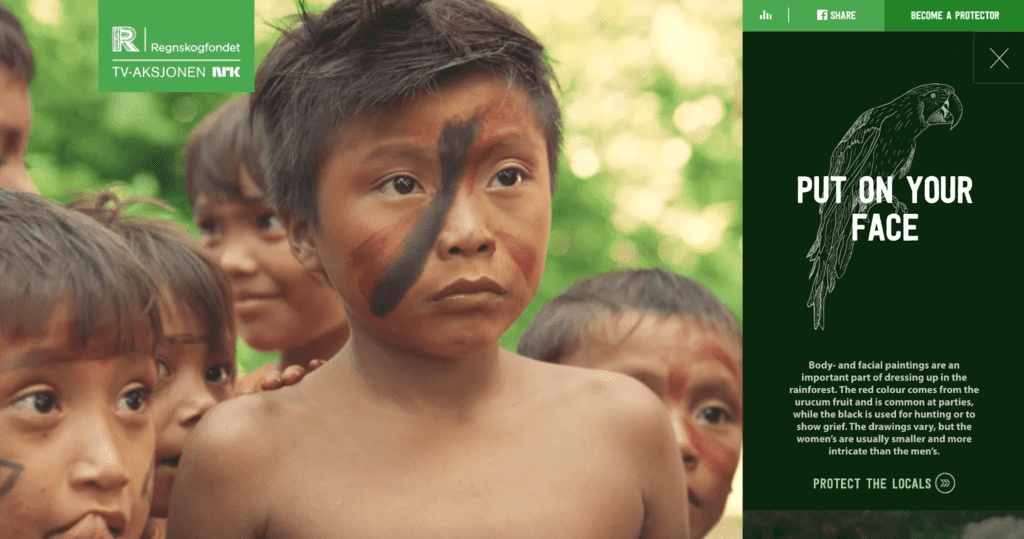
(112, 299)
(123, 323)
(219, 149)
(212, 169)
(77, 265)
(199, 291)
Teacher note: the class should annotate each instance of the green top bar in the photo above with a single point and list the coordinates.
(880, 15)
(955, 15)
(814, 16)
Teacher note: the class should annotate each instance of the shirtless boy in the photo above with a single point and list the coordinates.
(682, 342)
(77, 332)
(411, 153)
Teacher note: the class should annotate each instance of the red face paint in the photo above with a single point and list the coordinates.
(720, 459)
(499, 113)
(677, 385)
(720, 355)
(374, 254)
(522, 254)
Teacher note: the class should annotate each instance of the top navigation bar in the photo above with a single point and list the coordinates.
(882, 15)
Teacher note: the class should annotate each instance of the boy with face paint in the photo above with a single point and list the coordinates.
(196, 355)
(411, 150)
(279, 306)
(677, 338)
(78, 327)
(17, 68)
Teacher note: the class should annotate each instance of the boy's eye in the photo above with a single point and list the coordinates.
(162, 370)
(218, 374)
(269, 221)
(42, 402)
(507, 177)
(133, 400)
(208, 228)
(400, 185)
(713, 415)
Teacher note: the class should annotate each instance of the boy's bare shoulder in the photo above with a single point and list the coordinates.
(246, 430)
(221, 488)
(626, 427)
(615, 400)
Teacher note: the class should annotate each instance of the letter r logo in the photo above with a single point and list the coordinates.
(123, 36)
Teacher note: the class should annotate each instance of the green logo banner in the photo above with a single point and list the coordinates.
(183, 46)
(883, 15)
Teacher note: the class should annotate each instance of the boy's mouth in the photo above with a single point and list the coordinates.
(466, 287)
(95, 525)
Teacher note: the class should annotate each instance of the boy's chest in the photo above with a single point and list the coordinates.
(484, 491)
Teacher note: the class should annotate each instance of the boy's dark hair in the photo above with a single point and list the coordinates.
(182, 271)
(218, 149)
(359, 56)
(14, 50)
(52, 257)
(563, 322)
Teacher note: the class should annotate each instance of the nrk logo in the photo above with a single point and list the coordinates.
(226, 71)
(123, 37)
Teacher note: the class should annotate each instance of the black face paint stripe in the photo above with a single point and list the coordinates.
(12, 471)
(452, 149)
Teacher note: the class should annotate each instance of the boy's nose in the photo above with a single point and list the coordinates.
(98, 466)
(464, 233)
(686, 449)
(237, 259)
(195, 401)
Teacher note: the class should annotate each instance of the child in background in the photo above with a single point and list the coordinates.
(677, 338)
(78, 328)
(16, 71)
(278, 304)
(411, 152)
(196, 356)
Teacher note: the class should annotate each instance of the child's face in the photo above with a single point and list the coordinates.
(455, 184)
(76, 454)
(696, 371)
(189, 382)
(15, 124)
(278, 304)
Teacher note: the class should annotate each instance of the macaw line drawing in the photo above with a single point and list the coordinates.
(880, 143)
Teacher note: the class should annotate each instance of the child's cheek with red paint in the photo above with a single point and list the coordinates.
(368, 261)
(525, 256)
(717, 455)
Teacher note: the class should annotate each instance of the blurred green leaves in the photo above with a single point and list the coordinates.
(650, 174)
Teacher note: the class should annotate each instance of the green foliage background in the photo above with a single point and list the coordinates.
(650, 175)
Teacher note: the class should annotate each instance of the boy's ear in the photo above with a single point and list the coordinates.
(303, 243)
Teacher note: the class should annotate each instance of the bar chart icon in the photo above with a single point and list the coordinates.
(765, 16)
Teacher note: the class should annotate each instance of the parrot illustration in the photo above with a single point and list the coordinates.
(880, 143)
